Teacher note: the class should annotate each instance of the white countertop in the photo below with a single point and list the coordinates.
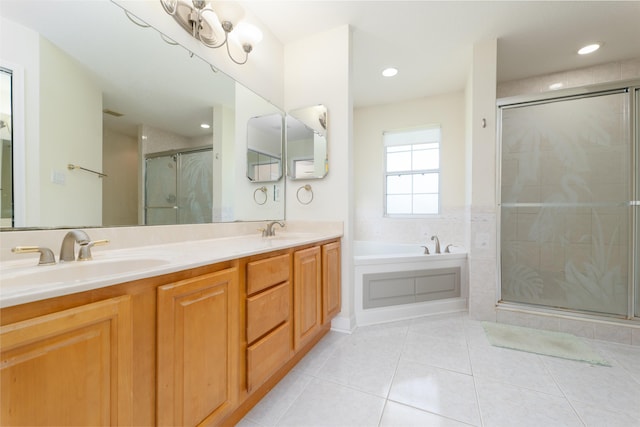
(23, 281)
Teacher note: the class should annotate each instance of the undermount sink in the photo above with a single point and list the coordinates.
(77, 271)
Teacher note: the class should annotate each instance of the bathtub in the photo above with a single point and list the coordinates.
(396, 281)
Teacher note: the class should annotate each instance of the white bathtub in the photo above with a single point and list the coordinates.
(383, 259)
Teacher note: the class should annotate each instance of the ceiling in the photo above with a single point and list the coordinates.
(431, 42)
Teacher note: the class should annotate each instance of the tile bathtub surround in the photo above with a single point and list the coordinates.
(442, 371)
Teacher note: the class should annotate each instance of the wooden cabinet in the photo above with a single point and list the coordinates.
(73, 367)
(268, 327)
(331, 283)
(198, 344)
(307, 294)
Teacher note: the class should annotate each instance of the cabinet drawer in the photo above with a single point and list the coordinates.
(267, 355)
(267, 310)
(267, 272)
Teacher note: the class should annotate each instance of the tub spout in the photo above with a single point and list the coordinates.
(437, 243)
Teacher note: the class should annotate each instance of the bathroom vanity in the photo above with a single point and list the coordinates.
(196, 345)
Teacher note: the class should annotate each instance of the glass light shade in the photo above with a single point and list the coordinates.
(245, 33)
(228, 11)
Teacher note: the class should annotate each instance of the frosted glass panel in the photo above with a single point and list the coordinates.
(195, 187)
(565, 204)
(160, 182)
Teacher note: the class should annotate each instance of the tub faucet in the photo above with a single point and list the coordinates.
(437, 243)
(270, 231)
(68, 244)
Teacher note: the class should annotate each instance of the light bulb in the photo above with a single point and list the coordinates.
(589, 49)
(389, 72)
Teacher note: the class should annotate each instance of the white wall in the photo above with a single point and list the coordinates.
(481, 142)
(318, 71)
(120, 189)
(447, 110)
(70, 132)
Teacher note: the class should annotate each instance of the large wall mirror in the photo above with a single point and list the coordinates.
(264, 148)
(105, 92)
(307, 156)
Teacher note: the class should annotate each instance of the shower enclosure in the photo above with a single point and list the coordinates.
(179, 187)
(569, 182)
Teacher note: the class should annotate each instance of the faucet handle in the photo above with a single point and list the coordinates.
(84, 253)
(426, 250)
(46, 254)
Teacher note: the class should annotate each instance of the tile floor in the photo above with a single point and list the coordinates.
(441, 371)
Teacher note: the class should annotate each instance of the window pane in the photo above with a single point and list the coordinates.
(399, 161)
(425, 159)
(425, 183)
(425, 204)
(399, 204)
(399, 184)
(398, 148)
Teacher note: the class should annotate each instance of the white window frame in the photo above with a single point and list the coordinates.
(424, 135)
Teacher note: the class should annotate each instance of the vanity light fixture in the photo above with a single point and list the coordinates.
(214, 23)
(389, 72)
(205, 125)
(590, 48)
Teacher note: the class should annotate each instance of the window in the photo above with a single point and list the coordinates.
(412, 172)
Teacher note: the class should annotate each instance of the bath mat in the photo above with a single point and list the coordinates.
(548, 343)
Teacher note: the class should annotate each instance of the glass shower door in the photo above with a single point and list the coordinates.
(161, 190)
(195, 187)
(565, 203)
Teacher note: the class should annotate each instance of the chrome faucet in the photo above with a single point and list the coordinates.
(68, 244)
(270, 231)
(437, 243)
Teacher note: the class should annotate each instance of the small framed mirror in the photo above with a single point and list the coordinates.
(264, 148)
(306, 146)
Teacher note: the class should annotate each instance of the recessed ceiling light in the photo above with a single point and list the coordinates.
(389, 72)
(590, 48)
(205, 126)
(555, 86)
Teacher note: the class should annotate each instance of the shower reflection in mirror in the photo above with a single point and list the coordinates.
(179, 187)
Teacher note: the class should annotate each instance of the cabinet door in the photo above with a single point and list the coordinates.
(69, 368)
(198, 344)
(306, 295)
(331, 287)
